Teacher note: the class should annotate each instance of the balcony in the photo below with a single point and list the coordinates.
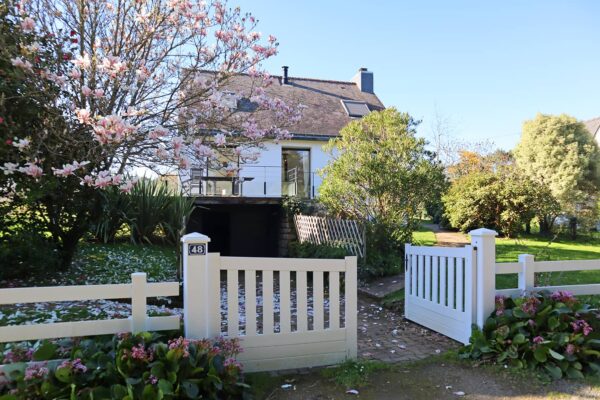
(252, 181)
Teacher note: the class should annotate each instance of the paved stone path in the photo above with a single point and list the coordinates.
(448, 238)
(381, 287)
(385, 335)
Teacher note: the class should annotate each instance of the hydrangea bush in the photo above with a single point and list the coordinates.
(554, 334)
(126, 366)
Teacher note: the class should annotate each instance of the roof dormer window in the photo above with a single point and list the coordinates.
(355, 109)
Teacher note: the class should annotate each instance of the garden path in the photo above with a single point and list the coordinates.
(447, 238)
(385, 335)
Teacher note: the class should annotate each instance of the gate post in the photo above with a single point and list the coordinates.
(484, 240)
(195, 285)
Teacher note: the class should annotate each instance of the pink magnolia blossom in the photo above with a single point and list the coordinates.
(28, 24)
(9, 168)
(158, 132)
(86, 91)
(220, 139)
(75, 73)
(21, 144)
(162, 153)
(21, 63)
(32, 170)
(83, 62)
(83, 115)
(99, 93)
(128, 185)
(113, 66)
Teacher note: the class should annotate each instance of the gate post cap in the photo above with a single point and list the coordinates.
(195, 237)
(483, 232)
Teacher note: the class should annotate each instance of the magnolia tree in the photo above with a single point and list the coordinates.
(123, 84)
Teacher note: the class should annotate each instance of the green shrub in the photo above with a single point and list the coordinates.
(141, 366)
(25, 252)
(175, 217)
(554, 334)
(311, 250)
(115, 208)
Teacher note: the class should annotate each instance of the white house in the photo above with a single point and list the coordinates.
(242, 214)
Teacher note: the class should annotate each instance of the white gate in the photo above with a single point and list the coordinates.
(440, 289)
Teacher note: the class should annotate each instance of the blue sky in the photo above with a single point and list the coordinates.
(485, 65)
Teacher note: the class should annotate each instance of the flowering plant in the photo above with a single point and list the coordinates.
(91, 91)
(126, 366)
(553, 333)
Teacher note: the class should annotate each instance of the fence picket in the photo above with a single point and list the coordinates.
(443, 280)
(435, 277)
(334, 300)
(250, 291)
(459, 284)
(233, 317)
(267, 282)
(451, 281)
(301, 301)
(284, 302)
(318, 309)
(428, 277)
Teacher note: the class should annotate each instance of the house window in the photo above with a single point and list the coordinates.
(295, 172)
(355, 108)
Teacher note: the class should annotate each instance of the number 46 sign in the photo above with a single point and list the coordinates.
(197, 249)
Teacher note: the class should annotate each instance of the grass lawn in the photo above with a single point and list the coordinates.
(424, 237)
(547, 249)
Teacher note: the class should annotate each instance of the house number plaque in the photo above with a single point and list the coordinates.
(196, 249)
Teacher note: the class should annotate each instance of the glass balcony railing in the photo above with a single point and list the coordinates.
(253, 181)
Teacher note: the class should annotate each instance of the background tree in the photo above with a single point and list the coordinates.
(121, 84)
(501, 200)
(559, 153)
(380, 175)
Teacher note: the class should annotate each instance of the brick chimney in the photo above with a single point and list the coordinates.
(364, 80)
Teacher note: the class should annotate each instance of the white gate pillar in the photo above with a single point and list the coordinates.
(196, 310)
(484, 240)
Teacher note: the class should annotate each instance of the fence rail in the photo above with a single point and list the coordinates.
(527, 267)
(138, 291)
(331, 231)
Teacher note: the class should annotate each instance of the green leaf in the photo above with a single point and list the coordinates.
(540, 354)
(554, 371)
(165, 386)
(517, 312)
(574, 373)
(191, 389)
(47, 351)
(64, 375)
(556, 355)
(519, 338)
(553, 323)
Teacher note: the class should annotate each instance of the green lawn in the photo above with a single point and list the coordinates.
(424, 237)
(547, 249)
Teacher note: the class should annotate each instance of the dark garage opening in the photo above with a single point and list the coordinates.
(250, 230)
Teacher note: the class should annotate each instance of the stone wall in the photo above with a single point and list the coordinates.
(287, 233)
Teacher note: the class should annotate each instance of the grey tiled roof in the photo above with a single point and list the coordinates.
(593, 125)
(323, 113)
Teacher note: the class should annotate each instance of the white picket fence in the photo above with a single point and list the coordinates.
(331, 231)
(449, 289)
(138, 291)
(299, 313)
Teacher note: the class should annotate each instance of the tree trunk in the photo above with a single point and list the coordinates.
(528, 227)
(573, 227)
